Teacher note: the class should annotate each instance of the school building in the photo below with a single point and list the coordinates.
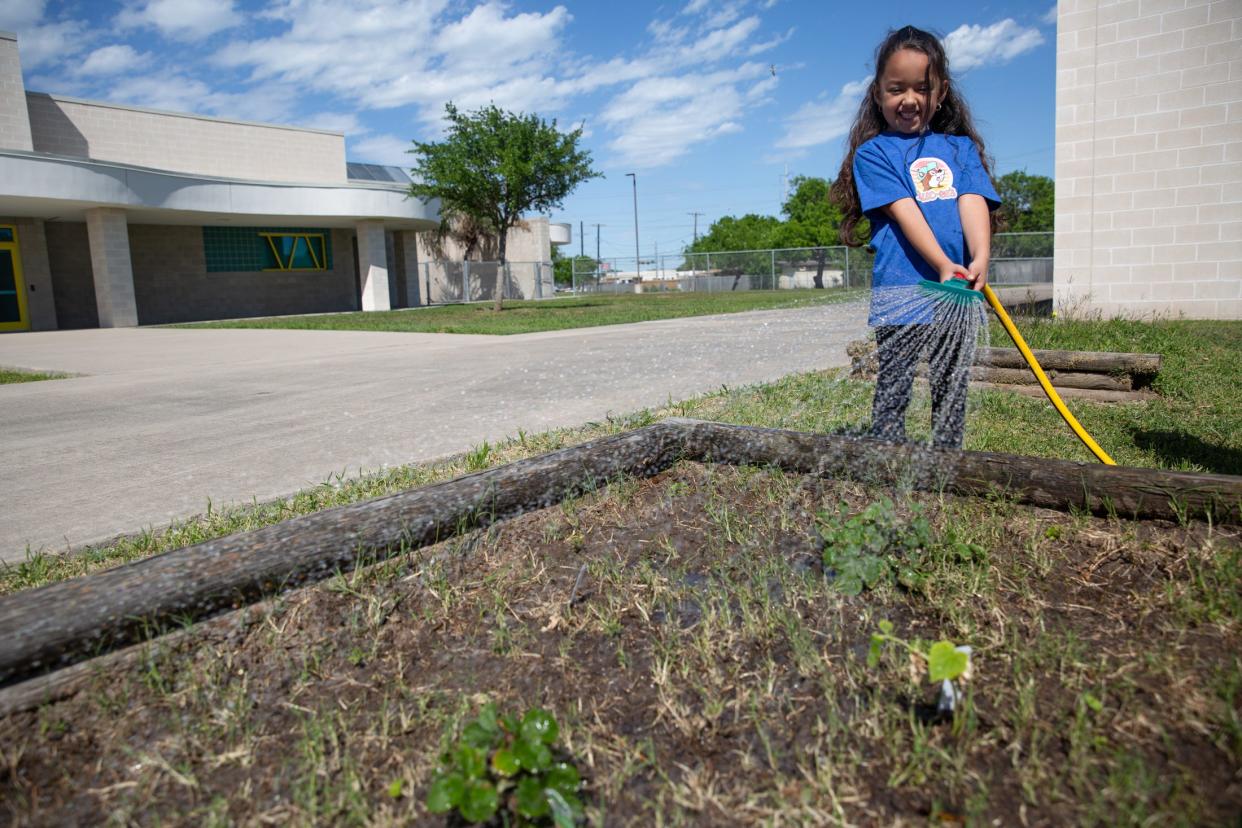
(1149, 158)
(115, 215)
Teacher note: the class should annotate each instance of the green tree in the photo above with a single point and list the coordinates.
(811, 220)
(750, 232)
(564, 267)
(1027, 202)
(494, 165)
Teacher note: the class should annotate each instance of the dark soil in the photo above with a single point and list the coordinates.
(703, 669)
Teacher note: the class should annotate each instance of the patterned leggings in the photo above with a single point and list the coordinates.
(951, 352)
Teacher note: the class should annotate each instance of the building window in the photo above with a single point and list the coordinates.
(295, 251)
(257, 249)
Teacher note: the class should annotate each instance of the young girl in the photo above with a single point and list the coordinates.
(917, 170)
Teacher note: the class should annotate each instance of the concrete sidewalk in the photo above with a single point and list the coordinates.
(164, 419)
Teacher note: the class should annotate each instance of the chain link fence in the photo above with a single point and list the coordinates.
(1017, 259)
(452, 282)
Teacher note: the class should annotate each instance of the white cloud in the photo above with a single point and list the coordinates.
(659, 119)
(40, 43)
(18, 14)
(817, 122)
(382, 149)
(180, 93)
(181, 19)
(346, 122)
(391, 53)
(686, 84)
(970, 46)
(1050, 16)
(111, 60)
(771, 43)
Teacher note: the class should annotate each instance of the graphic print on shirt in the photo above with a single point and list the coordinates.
(932, 179)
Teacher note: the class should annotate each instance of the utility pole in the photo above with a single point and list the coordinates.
(696, 225)
(786, 180)
(638, 265)
(597, 245)
(581, 240)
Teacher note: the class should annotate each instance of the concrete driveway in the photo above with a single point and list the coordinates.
(163, 419)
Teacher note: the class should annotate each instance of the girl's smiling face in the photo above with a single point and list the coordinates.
(904, 93)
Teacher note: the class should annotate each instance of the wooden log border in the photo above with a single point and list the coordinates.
(62, 624)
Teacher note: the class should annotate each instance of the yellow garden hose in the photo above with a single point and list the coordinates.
(1053, 396)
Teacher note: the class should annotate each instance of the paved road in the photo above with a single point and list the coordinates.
(164, 419)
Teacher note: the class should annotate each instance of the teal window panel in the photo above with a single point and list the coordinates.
(247, 249)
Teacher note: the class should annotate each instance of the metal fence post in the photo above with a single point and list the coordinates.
(772, 286)
(847, 266)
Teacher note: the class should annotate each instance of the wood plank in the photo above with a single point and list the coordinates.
(63, 623)
(1058, 378)
(1097, 362)
(1056, 484)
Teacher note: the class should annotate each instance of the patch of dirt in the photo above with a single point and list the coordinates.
(703, 669)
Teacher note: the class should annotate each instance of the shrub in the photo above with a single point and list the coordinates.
(878, 545)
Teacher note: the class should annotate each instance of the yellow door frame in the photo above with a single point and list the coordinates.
(19, 283)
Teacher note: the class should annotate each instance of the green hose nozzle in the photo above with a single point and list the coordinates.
(956, 290)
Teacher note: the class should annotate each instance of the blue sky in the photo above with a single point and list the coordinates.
(708, 101)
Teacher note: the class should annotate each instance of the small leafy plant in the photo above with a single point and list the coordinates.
(860, 550)
(945, 662)
(503, 764)
(878, 545)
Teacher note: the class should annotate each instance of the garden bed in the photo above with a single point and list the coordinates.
(703, 669)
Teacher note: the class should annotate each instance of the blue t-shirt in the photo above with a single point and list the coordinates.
(933, 169)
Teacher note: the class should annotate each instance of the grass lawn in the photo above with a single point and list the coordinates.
(546, 314)
(10, 375)
(704, 647)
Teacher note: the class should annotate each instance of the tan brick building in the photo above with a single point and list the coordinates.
(114, 215)
(1149, 157)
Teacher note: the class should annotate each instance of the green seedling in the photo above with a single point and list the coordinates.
(503, 764)
(945, 662)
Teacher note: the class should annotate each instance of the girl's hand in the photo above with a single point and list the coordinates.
(977, 273)
(950, 269)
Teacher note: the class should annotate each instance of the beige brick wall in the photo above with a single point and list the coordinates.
(1149, 157)
(528, 242)
(171, 282)
(112, 267)
(73, 285)
(14, 123)
(184, 143)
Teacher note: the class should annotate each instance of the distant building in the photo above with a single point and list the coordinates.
(115, 215)
(1149, 157)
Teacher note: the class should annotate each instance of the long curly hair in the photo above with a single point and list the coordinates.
(952, 118)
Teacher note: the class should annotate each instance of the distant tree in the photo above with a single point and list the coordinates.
(811, 220)
(494, 165)
(750, 232)
(564, 267)
(1027, 202)
(726, 234)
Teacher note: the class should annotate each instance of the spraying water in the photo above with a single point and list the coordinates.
(941, 326)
